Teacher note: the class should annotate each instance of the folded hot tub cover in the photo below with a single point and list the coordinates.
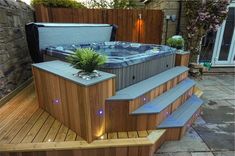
(41, 35)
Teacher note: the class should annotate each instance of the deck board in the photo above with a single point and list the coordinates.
(33, 132)
(71, 136)
(19, 123)
(15, 119)
(14, 114)
(112, 135)
(132, 134)
(142, 133)
(122, 135)
(62, 134)
(20, 96)
(23, 132)
(26, 123)
(44, 130)
(53, 131)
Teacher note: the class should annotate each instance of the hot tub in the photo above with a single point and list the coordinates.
(130, 62)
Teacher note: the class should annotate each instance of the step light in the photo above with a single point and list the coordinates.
(100, 112)
(56, 101)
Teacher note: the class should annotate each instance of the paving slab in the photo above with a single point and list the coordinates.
(190, 142)
(174, 154)
(218, 113)
(224, 153)
(232, 102)
(202, 154)
(214, 132)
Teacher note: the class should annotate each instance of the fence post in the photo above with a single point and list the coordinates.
(41, 13)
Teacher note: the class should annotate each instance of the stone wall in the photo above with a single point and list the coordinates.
(169, 7)
(14, 55)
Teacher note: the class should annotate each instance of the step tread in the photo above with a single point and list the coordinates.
(145, 86)
(164, 100)
(180, 117)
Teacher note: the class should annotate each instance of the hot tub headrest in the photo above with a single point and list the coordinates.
(41, 35)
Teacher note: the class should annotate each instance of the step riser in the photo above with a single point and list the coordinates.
(119, 119)
(182, 99)
(138, 102)
(190, 122)
(173, 134)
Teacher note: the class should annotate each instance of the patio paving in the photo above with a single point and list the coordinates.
(213, 134)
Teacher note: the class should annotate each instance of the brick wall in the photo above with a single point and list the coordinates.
(14, 56)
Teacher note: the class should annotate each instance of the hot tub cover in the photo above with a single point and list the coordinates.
(41, 35)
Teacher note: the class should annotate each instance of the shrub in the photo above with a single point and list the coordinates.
(202, 17)
(176, 42)
(58, 3)
(86, 59)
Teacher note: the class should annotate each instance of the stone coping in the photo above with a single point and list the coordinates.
(65, 70)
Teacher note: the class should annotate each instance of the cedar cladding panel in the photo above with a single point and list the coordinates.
(75, 106)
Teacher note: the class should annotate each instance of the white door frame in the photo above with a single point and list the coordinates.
(217, 47)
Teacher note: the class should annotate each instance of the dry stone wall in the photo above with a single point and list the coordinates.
(15, 61)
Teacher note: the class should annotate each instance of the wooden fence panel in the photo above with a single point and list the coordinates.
(134, 25)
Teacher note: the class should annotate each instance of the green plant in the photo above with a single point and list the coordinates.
(58, 3)
(86, 59)
(177, 43)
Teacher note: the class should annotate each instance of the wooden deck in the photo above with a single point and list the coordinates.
(26, 127)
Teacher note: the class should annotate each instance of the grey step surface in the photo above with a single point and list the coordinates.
(180, 117)
(166, 99)
(147, 85)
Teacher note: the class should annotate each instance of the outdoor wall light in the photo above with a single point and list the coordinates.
(140, 16)
(168, 18)
(172, 18)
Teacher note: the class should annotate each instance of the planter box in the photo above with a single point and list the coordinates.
(182, 59)
(77, 103)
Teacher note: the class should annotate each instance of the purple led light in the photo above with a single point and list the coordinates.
(100, 112)
(144, 99)
(56, 101)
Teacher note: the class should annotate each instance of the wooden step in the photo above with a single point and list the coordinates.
(141, 88)
(177, 123)
(160, 103)
(131, 98)
(119, 118)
